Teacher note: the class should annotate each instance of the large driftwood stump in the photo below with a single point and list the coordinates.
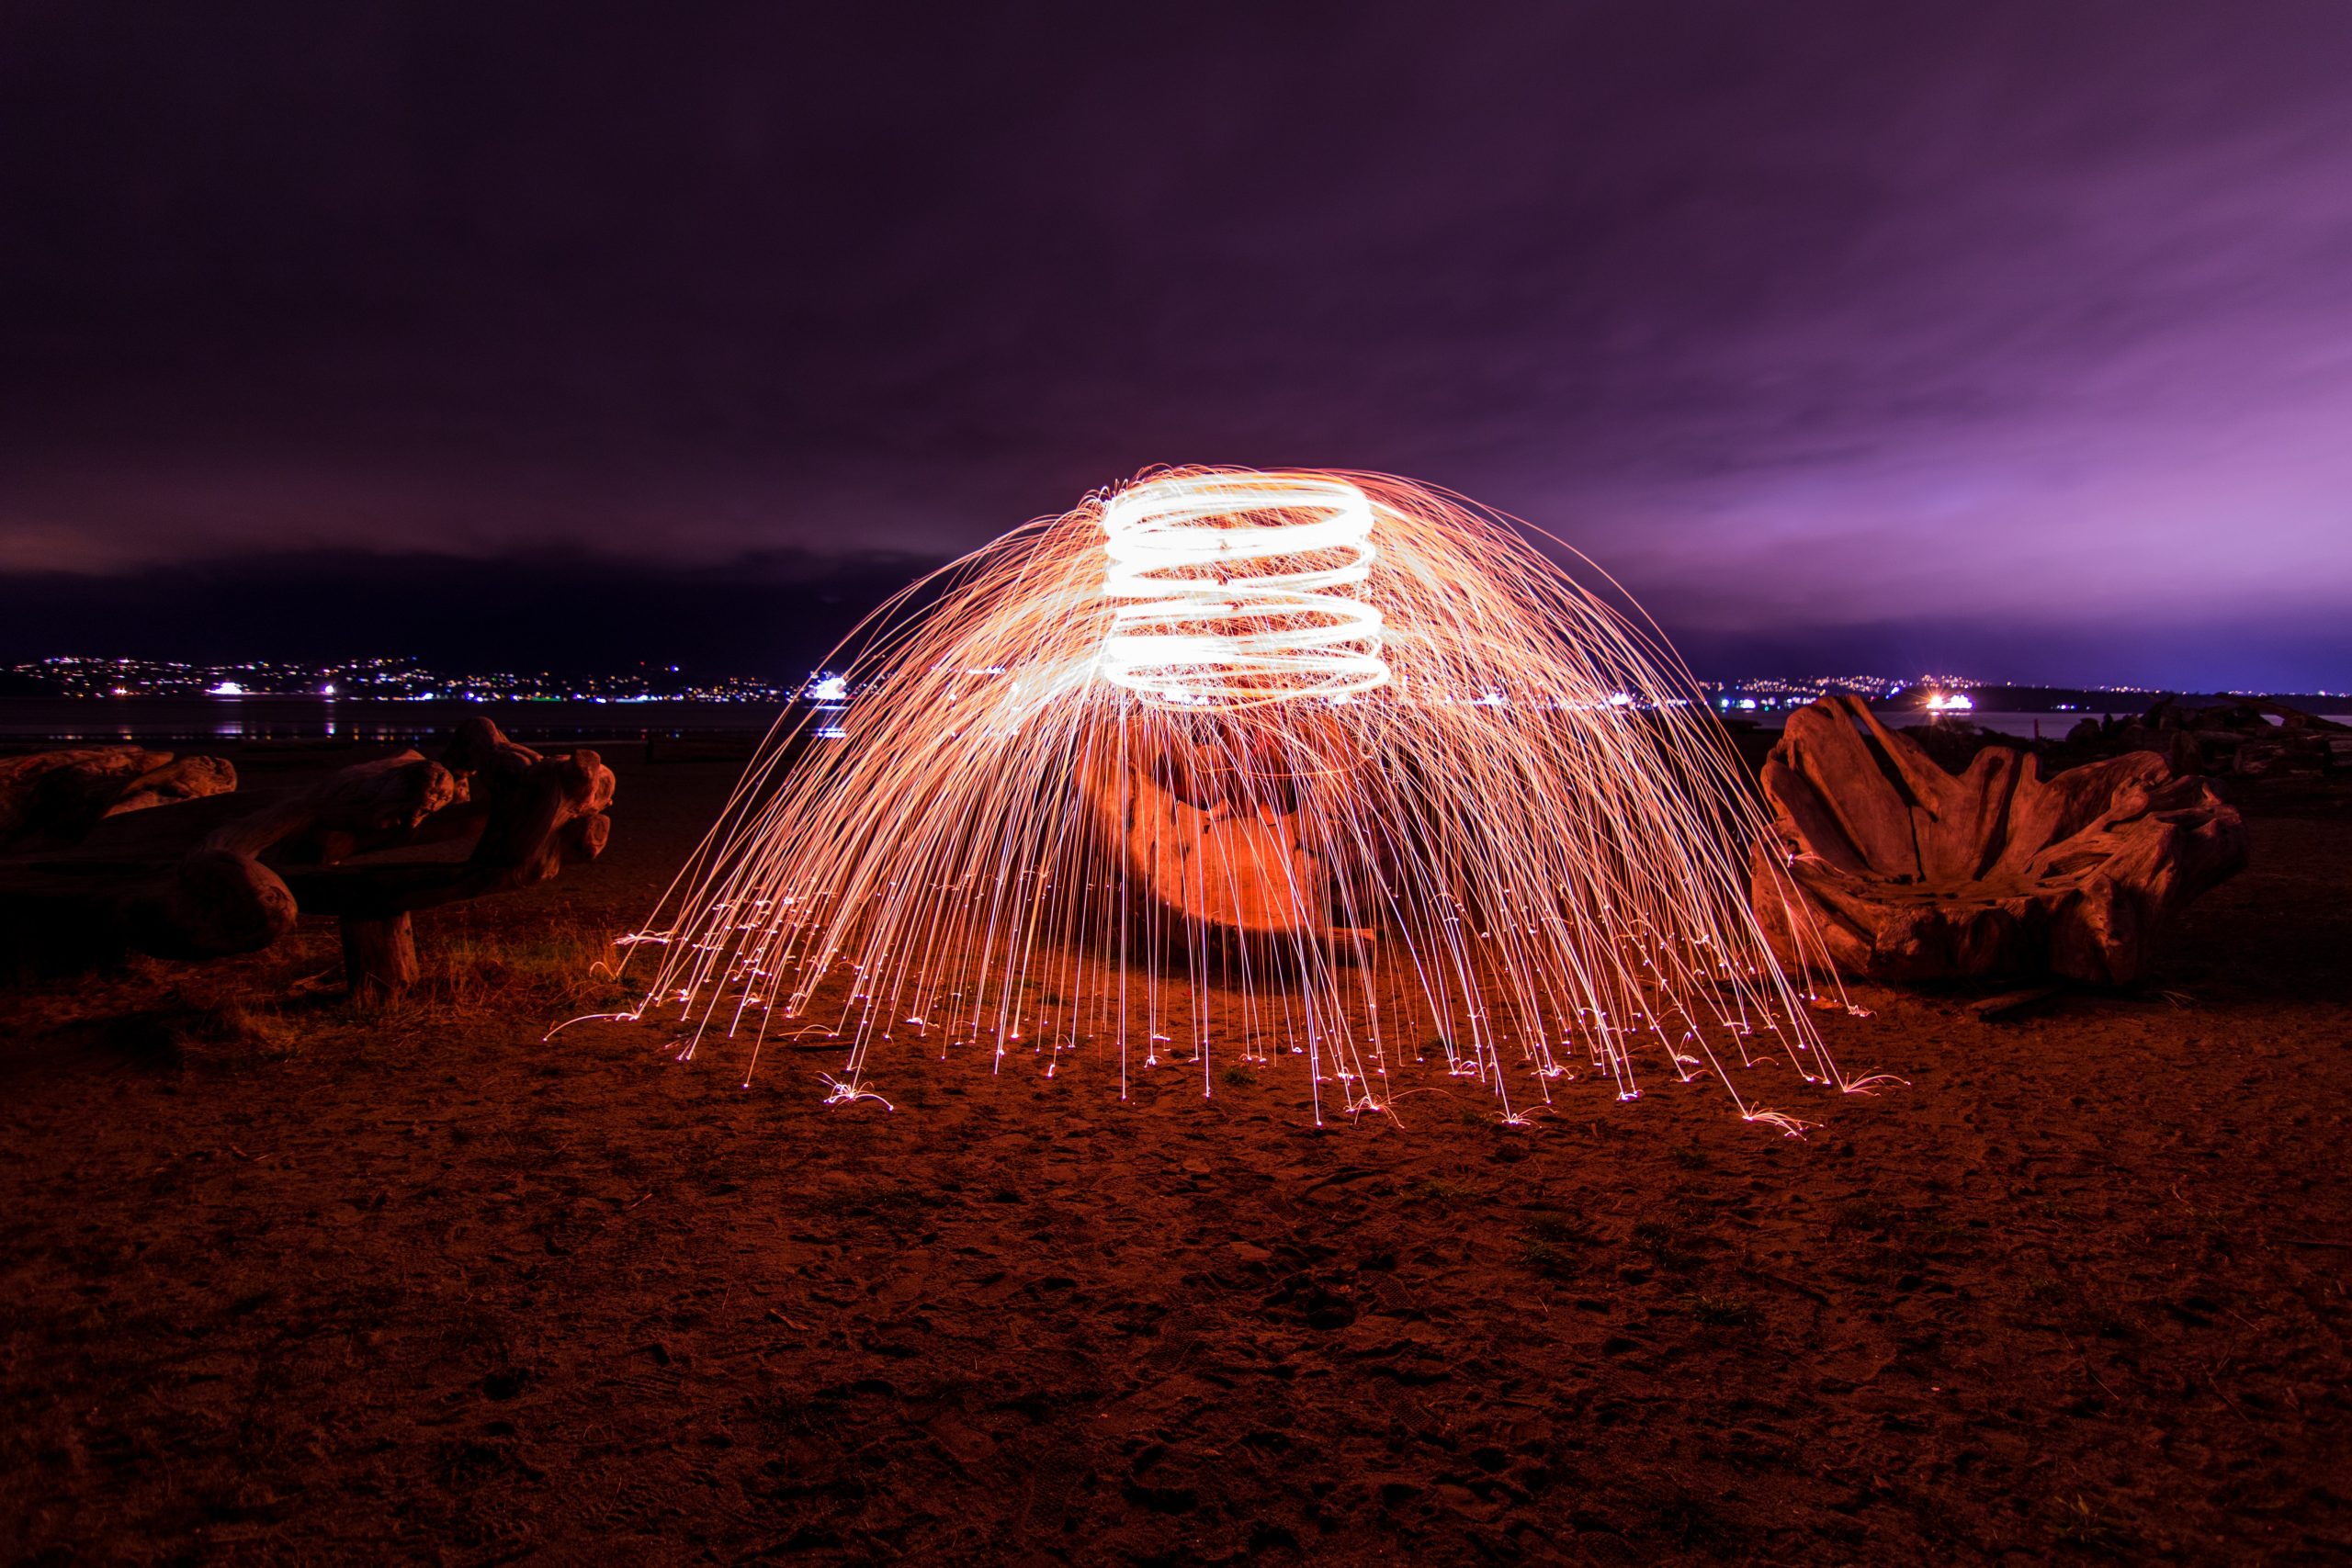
(1214, 852)
(1906, 872)
(230, 873)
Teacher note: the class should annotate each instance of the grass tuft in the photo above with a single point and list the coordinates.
(1563, 1230)
(1554, 1246)
(2076, 1521)
(1870, 1215)
(479, 969)
(1721, 1312)
(1430, 1190)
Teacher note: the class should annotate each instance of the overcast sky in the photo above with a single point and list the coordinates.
(2012, 338)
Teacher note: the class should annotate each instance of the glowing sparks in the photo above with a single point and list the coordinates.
(1299, 764)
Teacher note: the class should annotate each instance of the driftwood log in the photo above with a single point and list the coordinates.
(2249, 736)
(1906, 872)
(55, 797)
(230, 874)
(1216, 852)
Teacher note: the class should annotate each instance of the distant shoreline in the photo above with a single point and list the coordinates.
(322, 720)
(55, 721)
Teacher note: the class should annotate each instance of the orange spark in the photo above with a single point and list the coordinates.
(1321, 764)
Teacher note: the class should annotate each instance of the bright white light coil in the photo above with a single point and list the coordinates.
(1239, 590)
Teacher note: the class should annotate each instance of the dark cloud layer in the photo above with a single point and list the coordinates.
(2014, 337)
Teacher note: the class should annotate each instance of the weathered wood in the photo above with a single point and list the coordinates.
(2238, 736)
(379, 959)
(216, 903)
(56, 795)
(206, 877)
(187, 778)
(371, 803)
(64, 916)
(2014, 1004)
(536, 822)
(534, 816)
(1234, 859)
(1903, 871)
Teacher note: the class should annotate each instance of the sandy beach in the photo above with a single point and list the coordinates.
(287, 1282)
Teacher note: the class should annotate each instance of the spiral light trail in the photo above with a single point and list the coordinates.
(1229, 766)
(1240, 589)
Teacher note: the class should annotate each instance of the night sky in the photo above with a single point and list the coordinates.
(2014, 339)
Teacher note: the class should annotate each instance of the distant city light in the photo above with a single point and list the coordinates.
(406, 679)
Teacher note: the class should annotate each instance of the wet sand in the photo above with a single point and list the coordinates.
(285, 1283)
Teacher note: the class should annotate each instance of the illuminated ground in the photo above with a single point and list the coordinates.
(281, 1283)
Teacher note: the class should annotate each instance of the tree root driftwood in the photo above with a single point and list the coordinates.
(1232, 859)
(1907, 872)
(230, 874)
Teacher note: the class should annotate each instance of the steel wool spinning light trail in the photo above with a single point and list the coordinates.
(1226, 764)
(1228, 591)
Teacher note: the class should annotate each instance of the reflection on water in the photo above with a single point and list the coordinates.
(2023, 726)
(147, 720)
(152, 720)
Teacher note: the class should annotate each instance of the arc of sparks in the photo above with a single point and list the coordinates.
(1233, 764)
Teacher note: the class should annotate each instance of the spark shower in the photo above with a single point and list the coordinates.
(1321, 770)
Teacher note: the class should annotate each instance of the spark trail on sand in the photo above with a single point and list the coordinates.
(1319, 768)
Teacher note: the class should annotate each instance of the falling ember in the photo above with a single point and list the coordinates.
(1273, 763)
